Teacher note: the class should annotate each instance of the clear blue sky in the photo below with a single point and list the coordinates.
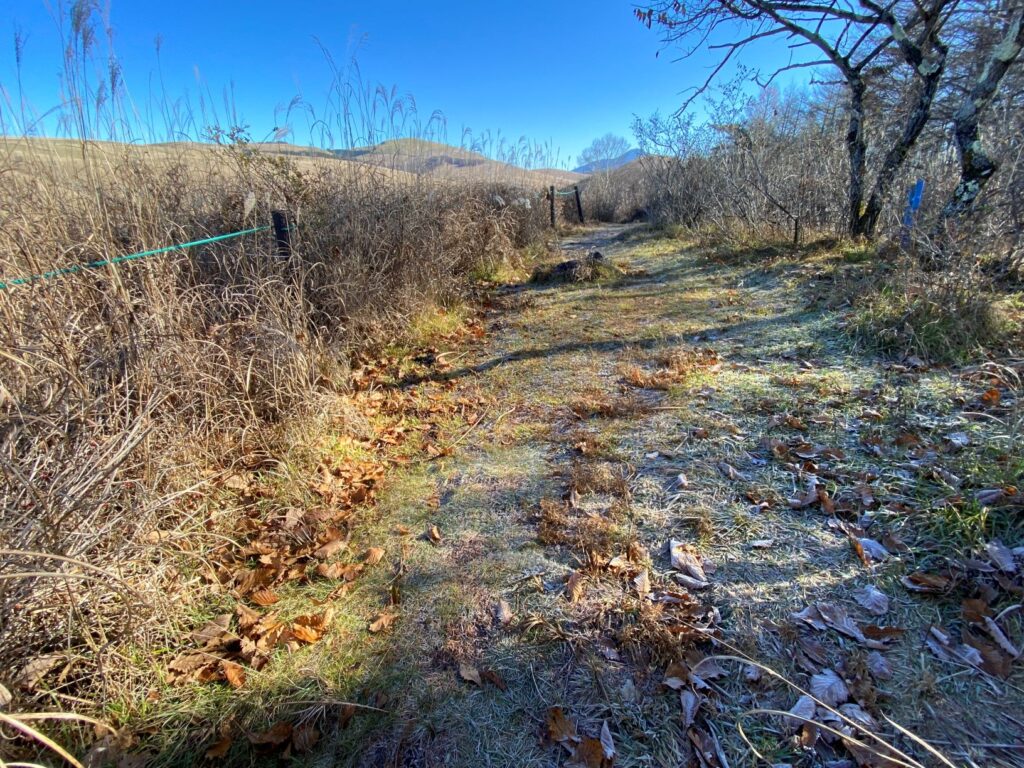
(565, 72)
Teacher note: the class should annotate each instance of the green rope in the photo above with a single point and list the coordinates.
(130, 257)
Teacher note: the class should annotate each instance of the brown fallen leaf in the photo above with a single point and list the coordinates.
(382, 621)
(276, 735)
(879, 666)
(233, 673)
(219, 748)
(401, 530)
(264, 597)
(433, 534)
(35, 670)
(677, 676)
(560, 729)
(685, 558)
(802, 711)
(574, 587)
(470, 674)
(373, 555)
(828, 687)
(494, 679)
(330, 549)
(589, 753)
(928, 583)
(642, 583)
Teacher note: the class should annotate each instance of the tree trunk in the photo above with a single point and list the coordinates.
(931, 73)
(857, 149)
(976, 167)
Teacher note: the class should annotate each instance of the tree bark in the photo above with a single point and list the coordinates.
(976, 167)
(930, 71)
(856, 146)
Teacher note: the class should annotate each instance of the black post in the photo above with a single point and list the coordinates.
(281, 234)
(551, 199)
(579, 204)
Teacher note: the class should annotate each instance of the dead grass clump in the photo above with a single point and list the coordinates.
(590, 269)
(586, 534)
(597, 403)
(675, 367)
(947, 316)
(599, 477)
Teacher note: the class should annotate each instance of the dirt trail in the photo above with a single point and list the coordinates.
(688, 401)
(604, 395)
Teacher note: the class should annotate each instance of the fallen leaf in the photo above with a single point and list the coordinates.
(275, 736)
(434, 534)
(330, 549)
(494, 679)
(306, 634)
(264, 597)
(677, 676)
(574, 587)
(879, 666)
(35, 670)
(503, 613)
(874, 549)
(991, 397)
(642, 583)
(1001, 639)
(872, 600)
(1001, 556)
(607, 743)
(589, 753)
(829, 688)
(382, 621)
(219, 748)
(928, 583)
(691, 703)
(857, 714)
(975, 610)
(233, 673)
(730, 471)
(802, 711)
(561, 729)
(470, 674)
(685, 558)
(373, 555)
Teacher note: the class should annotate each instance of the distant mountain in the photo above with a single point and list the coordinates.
(608, 165)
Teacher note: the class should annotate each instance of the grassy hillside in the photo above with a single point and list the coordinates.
(401, 159)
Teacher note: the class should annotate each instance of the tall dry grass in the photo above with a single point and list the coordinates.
(129, 393)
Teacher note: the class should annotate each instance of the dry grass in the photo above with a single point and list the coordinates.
(130, 393)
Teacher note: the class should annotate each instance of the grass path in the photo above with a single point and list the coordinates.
(687, 401)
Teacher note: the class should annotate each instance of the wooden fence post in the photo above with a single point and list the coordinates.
(579, 204)
(551, 199)
(282, 234)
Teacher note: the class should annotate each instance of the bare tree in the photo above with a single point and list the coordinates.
(976, 165)
(852, 38)
(603, 150)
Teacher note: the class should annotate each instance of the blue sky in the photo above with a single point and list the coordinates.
(559, 72)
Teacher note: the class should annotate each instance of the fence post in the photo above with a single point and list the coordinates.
(551, 199)
(579, 204)
(281, 234)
